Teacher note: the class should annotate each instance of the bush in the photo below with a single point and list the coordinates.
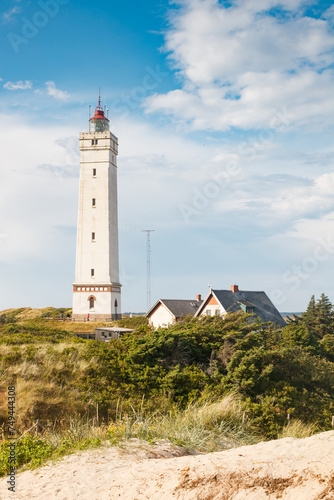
(29, 450)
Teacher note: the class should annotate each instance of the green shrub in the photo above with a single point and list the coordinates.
(29, 450)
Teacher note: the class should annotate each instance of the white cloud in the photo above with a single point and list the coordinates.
(239, 64)
(20, 85)
(56, 93)
(329, 14)
(31, 187)
(9, 14)
(157, 170)
(270, 202)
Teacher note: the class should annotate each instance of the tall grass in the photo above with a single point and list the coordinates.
(42, 374)
(33, 450)
(297, 429)
(213, 426)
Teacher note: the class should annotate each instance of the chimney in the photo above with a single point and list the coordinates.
(235, 288)
(199, 297)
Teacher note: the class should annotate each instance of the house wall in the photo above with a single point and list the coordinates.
(213, 308)
(161, 317)
(105, 335)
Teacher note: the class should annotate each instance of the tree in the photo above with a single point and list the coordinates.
(319, 317)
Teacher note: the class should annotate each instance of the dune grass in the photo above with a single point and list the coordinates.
(297, 429)
(213, 426)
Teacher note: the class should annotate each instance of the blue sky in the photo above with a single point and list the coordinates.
(224, 113)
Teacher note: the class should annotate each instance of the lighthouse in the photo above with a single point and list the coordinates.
(96, 290)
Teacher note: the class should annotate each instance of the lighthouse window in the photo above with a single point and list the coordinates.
(94, 202)
(94, 172)
(94, 142)
(93, 236)
(91, 302)
(92, 273)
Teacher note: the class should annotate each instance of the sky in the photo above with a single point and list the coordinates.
(224, 112)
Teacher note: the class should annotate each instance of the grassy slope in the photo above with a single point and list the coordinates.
(48, 365)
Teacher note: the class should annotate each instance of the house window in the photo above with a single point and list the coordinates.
(94, 172)
(93, 202)
(92, 273)
(91, 302)
(93, 236)
(217, 312)
(208, 312)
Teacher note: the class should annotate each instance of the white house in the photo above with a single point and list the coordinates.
(221, 302)
(168, 311)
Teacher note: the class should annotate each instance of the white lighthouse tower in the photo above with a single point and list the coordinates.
(96, 290)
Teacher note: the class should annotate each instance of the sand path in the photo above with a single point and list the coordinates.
(287, 468)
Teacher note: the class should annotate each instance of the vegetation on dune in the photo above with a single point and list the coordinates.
(188, 371)
(32, 451)
(27, 313)
(209, 427)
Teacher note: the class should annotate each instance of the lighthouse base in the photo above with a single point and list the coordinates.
(98, 303)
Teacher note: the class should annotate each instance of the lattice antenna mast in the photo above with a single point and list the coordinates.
(148, 264)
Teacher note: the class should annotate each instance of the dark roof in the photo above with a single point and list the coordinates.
(178, 307)
(246, 303)
(263, 307)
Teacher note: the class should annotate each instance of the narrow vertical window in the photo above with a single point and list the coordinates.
(92, 273)
(94, 172)
(93, 236)
(93, 202)
(96, 141)
(93, 142)
(91, 302)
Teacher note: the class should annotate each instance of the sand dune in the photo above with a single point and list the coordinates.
(287, 469)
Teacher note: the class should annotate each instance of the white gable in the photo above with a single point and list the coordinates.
(161, 317)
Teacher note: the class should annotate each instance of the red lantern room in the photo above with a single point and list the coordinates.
(99, 123)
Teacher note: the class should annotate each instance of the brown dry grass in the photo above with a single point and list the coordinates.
(42, 379)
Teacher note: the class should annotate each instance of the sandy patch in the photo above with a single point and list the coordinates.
(287, 468)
